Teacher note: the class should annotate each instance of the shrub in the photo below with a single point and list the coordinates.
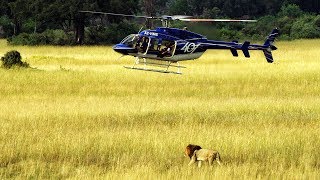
(259, 30)
(11, 59)
(290, 10)
(111, 34)
(285, 24)
(228, 34)
(6, 25)
(317, 21)
(96, 35)
(48, 37)
(57, 37)
(305, 27)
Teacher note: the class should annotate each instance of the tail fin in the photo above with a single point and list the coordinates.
(272, 36)
(269, 45)
(245, 49)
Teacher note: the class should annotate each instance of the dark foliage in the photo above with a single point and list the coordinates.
(13, 59)
(58, 22)
(48, 37)
(110, 34)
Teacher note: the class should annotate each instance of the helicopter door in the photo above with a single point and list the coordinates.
(142, 44)
(154, 46)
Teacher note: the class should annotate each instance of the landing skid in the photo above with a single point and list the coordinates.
(159, 66)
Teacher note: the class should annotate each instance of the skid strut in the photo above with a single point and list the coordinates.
(161, 66)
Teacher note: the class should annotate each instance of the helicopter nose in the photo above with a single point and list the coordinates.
(120, 49)
(123, 49)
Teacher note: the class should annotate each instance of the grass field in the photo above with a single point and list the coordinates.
(80, 114)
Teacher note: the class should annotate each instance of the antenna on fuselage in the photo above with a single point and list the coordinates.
(140, 29)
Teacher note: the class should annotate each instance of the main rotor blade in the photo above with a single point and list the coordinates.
(217, 20)
(179, 17)
(165, 17)
(116, 14)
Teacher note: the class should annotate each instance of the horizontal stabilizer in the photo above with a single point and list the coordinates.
(245, 49)
(273, 47)
(246, 53)
(245, 45)
(234, 52)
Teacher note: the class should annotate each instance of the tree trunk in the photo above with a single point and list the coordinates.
(16, 27)
(79, 28)
(150, 11)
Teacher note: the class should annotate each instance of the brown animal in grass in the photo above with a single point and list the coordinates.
(190, 150)
(205, 155)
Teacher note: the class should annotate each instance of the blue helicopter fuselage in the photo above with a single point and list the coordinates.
(172, 44)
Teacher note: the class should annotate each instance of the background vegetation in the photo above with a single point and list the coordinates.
(56, 22)
(80, 114)
(12, 59)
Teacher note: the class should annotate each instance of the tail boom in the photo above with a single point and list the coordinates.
(267, 47)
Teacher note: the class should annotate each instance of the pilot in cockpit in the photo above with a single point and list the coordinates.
(142, 44)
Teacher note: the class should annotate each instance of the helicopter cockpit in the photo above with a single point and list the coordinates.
(150, 45)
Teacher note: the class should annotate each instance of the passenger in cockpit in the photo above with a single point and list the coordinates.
(167, 51)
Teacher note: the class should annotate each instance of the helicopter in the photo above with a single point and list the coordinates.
(164, 47)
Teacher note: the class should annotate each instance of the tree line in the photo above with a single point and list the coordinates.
(60, 22)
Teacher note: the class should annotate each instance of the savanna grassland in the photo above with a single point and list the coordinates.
(79, 114)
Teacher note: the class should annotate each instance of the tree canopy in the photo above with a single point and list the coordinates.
(52, 19)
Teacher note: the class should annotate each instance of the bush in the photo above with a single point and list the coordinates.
(48, 37)
(11, 59)
(305, 27)
(317, 21)
(227, 34)
(58, 37)
(28, 26)
(6, 25)
(96, 35)
(290, 10)
(260, 29)
(285, 24)
(111, 34)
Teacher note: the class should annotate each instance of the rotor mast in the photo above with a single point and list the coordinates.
(165, 23)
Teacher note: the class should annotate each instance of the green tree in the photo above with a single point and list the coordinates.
(149, 10)
(291, 11)
(305, 27)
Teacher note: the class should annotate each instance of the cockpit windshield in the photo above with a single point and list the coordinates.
(137, 41)
(131, 40)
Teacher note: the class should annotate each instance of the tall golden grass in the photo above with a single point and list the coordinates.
(80, 114)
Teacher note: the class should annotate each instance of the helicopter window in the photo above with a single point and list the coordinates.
(167, 48)
(154, 45)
